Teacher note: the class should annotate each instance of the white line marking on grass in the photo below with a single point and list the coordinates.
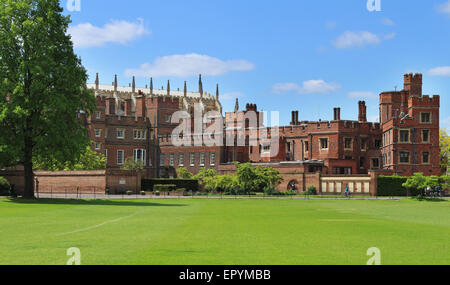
(99, 225)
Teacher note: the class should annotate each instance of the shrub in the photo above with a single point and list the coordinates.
(129, 192)
(4, 187)
(164, 188)
(311, 190)
(269, 190)
(143, 193)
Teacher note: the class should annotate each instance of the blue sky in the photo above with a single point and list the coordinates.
(282, 55)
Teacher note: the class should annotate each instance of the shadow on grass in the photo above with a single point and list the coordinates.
(90, 202)
(429, 199)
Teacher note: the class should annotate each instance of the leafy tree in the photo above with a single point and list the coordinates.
(226, 183)
(444, 145)
(89, 160)
(248, 179)
(417, 181)
(203, 173)
(183, 173)
(42, 87)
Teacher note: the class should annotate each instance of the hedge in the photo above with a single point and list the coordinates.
(164, 187)
(188, 184)
(391, 186)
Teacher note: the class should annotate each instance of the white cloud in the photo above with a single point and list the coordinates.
(387, 22)
(232, 96)
(86, 35)
(351, 39)
(440, 71)
(308, 87)
(362, 95)
(444, 8)
(183, 65)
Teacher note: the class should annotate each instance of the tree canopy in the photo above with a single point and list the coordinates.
(43, 91)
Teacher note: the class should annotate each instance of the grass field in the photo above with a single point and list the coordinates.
(201, 231)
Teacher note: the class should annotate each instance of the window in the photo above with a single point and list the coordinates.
(348, 143)
(161, 159)
(212, 158)
(404, 157)
(324, 143)
(375, 163)
(266, 148)
(363, 144)
(306, 146)
(202, 159)
(404, 136)
(98, 146)
(425, 157)
(192, 159)
(425, 136)
(98, 115)
(120, 134)
(139, 134)
(120, 156)
(140, 155)
(98, 133)
(181, 159)
(377, 144)
(361, 162)
(171, 159)
(425, 117)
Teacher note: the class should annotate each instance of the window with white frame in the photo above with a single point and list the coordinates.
(98, 146)
(425, 117)
(139, 134)
(324, 143)
(181, 159)
(202, 159)
(120, 157)
(98, 115)
(192, 159)
(161, 159)
(120, 133)
(212, 158)
(171, 159)
(98, 133)
(140, 155)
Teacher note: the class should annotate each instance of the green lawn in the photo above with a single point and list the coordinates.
(209, 231)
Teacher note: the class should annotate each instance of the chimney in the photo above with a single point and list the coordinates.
(217, 92)
(362, 112)
(140, 106)
(115, 83)
(296, 118)
(293, 118)
(133, 86)
(128, 107)
(110, 106)
(168, 87)
(185, 90)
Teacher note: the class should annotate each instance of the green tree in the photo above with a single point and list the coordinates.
(42, 87)
(183, 173)
(132, 165)
(444, 145)
(89, 160)
(418, 181)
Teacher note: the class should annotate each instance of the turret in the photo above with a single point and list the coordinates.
(413, 84)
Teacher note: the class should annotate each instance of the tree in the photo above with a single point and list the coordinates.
(444, 145)
(89, 160)
(43, 89)
(183, 173)
(133, 165)
(418, 181)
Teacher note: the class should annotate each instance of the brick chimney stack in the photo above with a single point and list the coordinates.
(337, 114)
(362, 111)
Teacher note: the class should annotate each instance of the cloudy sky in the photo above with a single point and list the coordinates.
(283, 55)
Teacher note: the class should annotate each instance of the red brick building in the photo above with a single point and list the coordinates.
(137, 123)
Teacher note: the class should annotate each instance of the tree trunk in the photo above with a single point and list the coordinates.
(28, 167)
